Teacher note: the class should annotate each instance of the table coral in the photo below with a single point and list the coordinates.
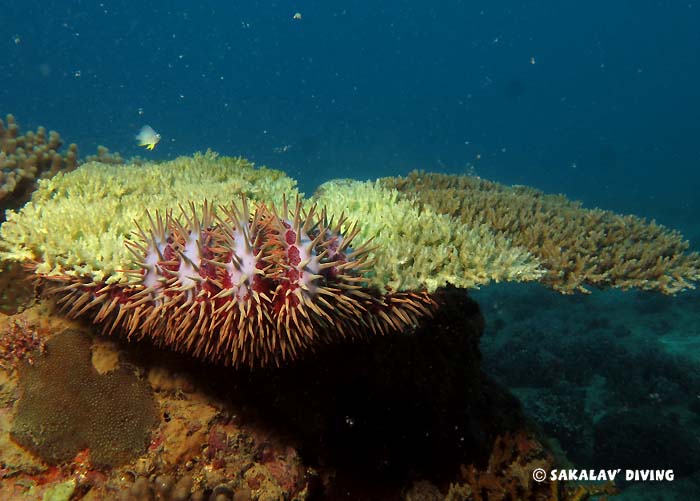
(77, 223)
(166, 255)
(577, 247)
(242, 284)
(417, 247)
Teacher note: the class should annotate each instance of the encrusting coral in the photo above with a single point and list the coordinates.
(27, 157)
(62, 412)
(577, 247)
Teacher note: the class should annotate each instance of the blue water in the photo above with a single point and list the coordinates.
(598, 100)
(607, 114)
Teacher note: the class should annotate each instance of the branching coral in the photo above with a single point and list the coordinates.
(77, 223)
(418, 247)
(105, 156)
(578, 247)
(27, 157)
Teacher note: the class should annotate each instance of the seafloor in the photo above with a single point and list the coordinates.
(612, 377)
(409, 416)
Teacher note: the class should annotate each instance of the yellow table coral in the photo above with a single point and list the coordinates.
(416, 247)
(76, 223)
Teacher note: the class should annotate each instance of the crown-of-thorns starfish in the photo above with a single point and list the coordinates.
(244, 287)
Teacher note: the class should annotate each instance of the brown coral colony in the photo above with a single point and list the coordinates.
(24, 158)
(245, 287)
(578, 247)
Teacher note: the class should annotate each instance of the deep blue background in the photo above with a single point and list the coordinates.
(607, 114)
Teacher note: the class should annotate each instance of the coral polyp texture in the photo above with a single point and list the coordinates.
(62, 412)
(578, 248)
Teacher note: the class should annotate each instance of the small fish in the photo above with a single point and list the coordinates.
(148, 137)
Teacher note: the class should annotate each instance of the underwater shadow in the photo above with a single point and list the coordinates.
(388, 410)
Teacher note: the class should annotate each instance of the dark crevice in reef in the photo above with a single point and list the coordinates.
(383, 411)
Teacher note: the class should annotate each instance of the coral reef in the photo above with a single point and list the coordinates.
(16, 288)
(260, 287)
(62, 411)
(104, 156)
(76, 223)
(429, 229)
(24, 158)
(578, 247)
(418, 247)
(241, 286)
(253, 289)
(604, 374)
(330, 426)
